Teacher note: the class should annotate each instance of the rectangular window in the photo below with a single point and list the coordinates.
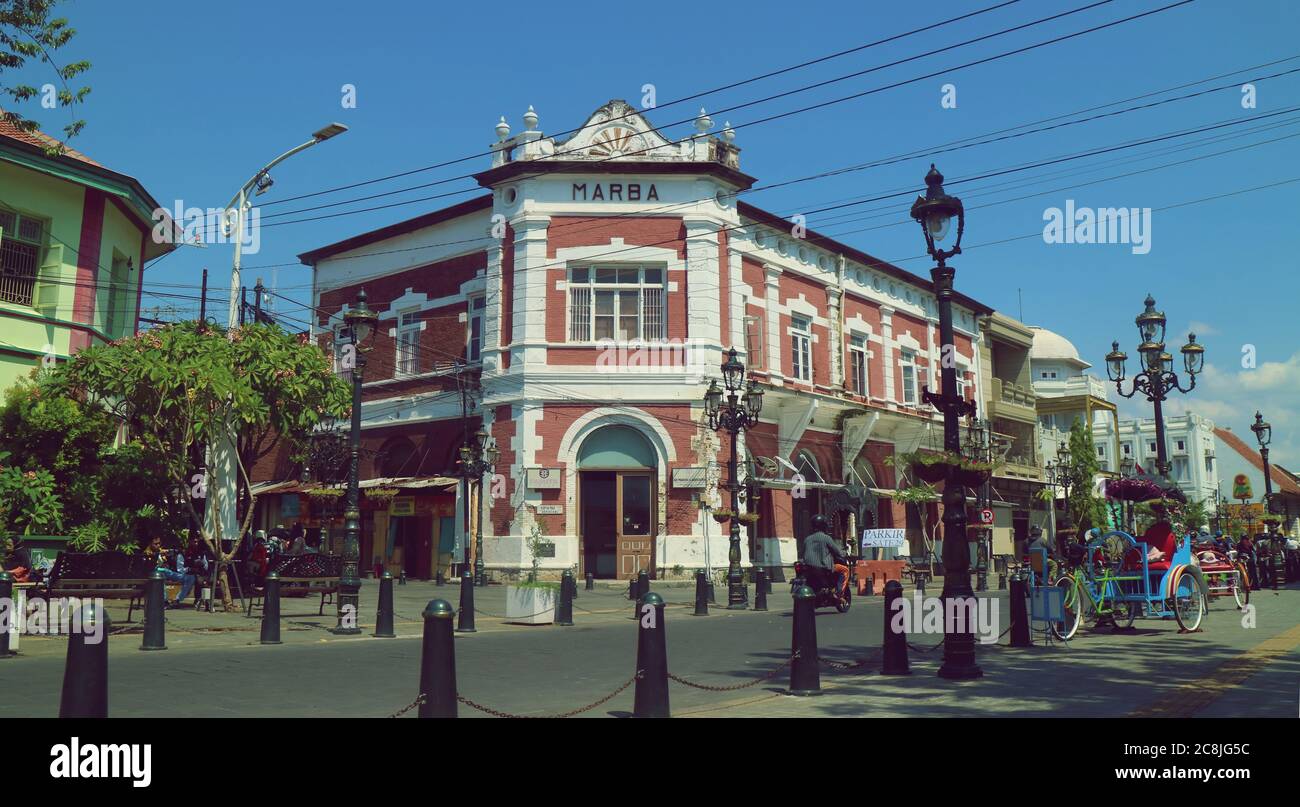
(474, 350)
(754, 334)
(1151, 447)
(858, 364)
(617, 302)
(1127, 448)
(801, 348)
(120, 304)
(908, 362)
(962, 384)
(1101, 452)
(22, 250)
(1182, 445)
(408, 343)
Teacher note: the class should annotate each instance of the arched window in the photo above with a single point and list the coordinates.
(399, 457)
(616, 447)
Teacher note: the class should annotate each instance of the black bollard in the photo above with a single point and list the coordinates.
(591, 582)
(438, 660)
(401, 578)
(7, 596)
(85, 673)
(465, 620)
(760, 589)
(895, 644)
(871, 586)
(651, 660)
(155, 622)
(920, 583)
(631, 589)
(439, 580)
(640, 587)
(384, 619)
(1002, 581)
(568, 587)
(713, 598)
(271, 610)
(1020, 613)
(701, 595)
(805, 678)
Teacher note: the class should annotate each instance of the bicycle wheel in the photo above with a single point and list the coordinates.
(1066, 630)
(1189, 603)
(1122, 614)
(1240, 591)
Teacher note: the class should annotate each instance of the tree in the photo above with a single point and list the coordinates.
(920, 496)
(1087, 510)
(28, 33)
(183, 384)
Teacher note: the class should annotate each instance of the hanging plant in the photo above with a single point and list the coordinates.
(381, 494)
(325, 493)
(722, 516)
(748, 518)
(933, 467)
(1133, 489)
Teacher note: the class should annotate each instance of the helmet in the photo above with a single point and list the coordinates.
(819, 523)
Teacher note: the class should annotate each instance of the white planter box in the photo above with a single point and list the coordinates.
(531, 606)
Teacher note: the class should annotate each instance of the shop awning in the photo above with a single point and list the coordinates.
(400, 482)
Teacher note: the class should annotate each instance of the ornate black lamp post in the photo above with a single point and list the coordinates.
(1127, 467)
(328, 452)
(476, 458)
(361, 323)
(979, 447)
(734, 414)
(1264, 434)
(935, 212)
(1157, 378)
(1061, 474)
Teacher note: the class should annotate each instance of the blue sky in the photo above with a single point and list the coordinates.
(192, 99)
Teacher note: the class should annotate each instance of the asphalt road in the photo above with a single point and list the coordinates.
(545, 669)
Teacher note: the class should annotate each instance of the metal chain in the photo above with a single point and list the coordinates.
(498, 713)
(419, 700)
(841, 665)
(765, 677)
(928, 649)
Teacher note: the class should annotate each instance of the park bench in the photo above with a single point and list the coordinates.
(918, 568)
(305, 574)
(100, 574)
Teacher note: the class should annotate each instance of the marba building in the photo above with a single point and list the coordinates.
(592, 290)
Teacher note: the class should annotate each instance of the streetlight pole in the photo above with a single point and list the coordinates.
(935, 212)
(361, 322)
(734, 414)
(1264, 435)
(221, 512)
(476, 459)
(1157, 378)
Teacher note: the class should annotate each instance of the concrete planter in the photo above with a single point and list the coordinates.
(528, 605)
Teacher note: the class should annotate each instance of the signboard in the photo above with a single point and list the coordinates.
(986, 515)
(1241, 487)
(550, 509)
(402, 506)
(289, 505)
(546, 550)
(544, 478)
(689, 477)
(891, 538)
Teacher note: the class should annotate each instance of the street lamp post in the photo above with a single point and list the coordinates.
(935, 212)
(980, 448)
(1127, 467)
(734, 414)
(1157, 378)
(1061, 474)
(1264, 435)
(361, 323)
(476, 459)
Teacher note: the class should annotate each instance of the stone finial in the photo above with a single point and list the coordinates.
(728, 133)
(530, 119)
(503, 129)
(703, 123)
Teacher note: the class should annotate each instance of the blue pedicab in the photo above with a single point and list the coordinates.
(1116, 582)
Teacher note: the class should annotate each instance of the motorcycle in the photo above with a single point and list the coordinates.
(823, 586)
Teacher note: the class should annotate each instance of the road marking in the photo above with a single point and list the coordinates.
(1187, 699)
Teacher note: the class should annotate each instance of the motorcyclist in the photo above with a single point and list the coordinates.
(824, 556)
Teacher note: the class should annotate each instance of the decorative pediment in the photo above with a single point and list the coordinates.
(618, 131)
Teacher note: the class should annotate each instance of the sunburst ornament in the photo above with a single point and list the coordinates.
(613, 141)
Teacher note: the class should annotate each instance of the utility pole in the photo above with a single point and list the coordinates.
(203, 299)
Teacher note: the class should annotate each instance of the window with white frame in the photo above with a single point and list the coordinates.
(962, 384)
(1151, 446)
(907, 360)
(801, 348)
(22, 250)
(1101, 452)
(408, 343)
(342, 349)
(1127, 449)
(858, 364)
(1181, 445)
(754, 335)
(474, 346)
(621, 303)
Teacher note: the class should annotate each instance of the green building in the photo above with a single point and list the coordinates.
(74, 239)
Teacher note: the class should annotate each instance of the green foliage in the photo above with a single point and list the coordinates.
(27, 33)
(1087, 510)
(534, 542)
(28, 502)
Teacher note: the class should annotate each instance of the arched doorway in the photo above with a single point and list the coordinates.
(616, 503)
(803, 508)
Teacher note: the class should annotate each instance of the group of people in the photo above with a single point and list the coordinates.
(183, 566)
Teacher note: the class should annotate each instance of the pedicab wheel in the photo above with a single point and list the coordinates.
(1123, 614)
(1070, 626)
(842, 604)
(1240, 590)
(1189, 604)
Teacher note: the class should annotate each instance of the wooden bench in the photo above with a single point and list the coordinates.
(918, 568)
(311, 574)
(100, 574)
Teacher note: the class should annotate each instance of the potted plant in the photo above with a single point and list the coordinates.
(381, 494)
(722, 515)
(747, 518)
(532, 602)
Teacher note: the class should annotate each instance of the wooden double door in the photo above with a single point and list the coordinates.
(618, 522)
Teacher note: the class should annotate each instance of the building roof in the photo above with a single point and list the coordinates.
(312, 257)
(41, 140)
(1051, 346)
(1282, 482)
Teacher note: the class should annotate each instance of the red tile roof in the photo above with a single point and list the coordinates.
(40, 140)
(1281, 481)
